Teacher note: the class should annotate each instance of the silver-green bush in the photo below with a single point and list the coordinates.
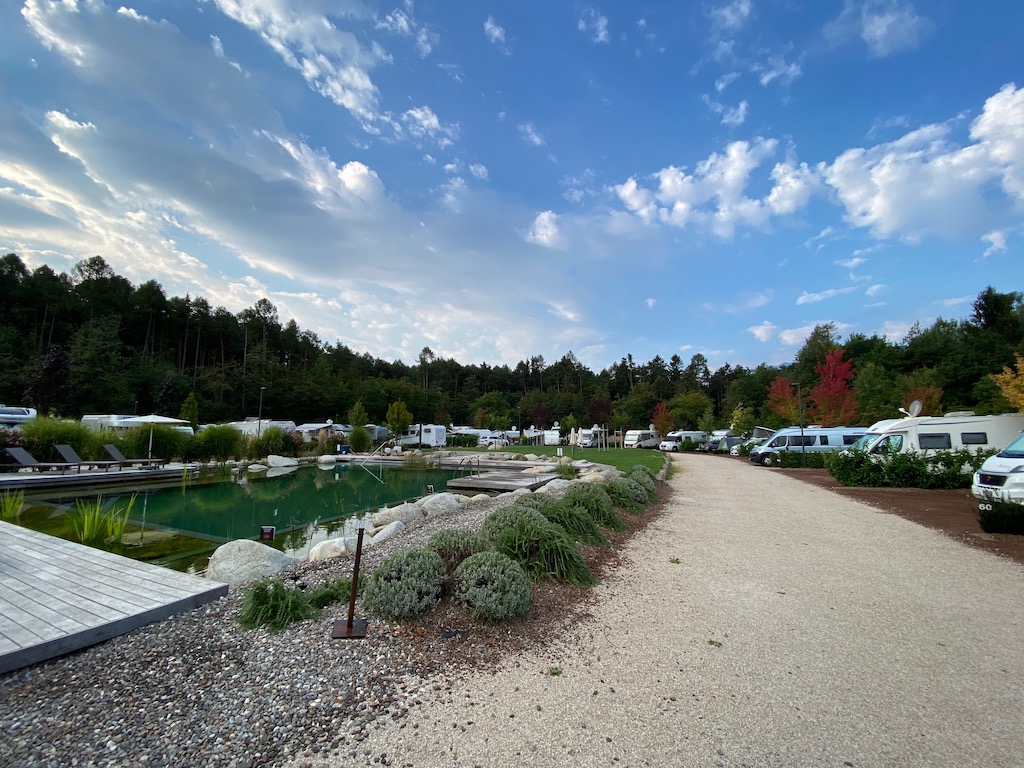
(493, 586)
(406, 584)
(627, 493)
(456, 544)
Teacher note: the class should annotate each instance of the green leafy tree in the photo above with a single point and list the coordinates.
(399, 418)
(357, 415)
(742, 420)
(50, 383)
(689, 407)
(190, 410)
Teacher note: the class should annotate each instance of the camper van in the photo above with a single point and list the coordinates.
(805, 440)
(954, 431)
(673, 440)
(107, 421)
(1001, 477)
(424, 436)
(12, 417)
(552, 437)
(641, 438)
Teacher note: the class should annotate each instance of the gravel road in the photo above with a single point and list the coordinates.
(760, 622)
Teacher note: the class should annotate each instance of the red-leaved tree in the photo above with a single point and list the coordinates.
(832, 403)
(782, 399)
(662, 418)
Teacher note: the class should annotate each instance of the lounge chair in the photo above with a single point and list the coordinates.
(120, 458)
(27, 461)
(68, 454)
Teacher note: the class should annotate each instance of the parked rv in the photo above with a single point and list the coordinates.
(552, 437)
(954, 431)
(641, 438)
(12, 417)
(1001, 477)
(424, 436)
(106, 421)
(806, 440)
(673, 440)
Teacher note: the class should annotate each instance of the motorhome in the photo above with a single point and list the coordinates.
(641, 438)
(805, 440)
(552, 437)
(954, 431)
(13, 417)
(254, 426)
(592, 437)
(674, 439)
(864, 441)
(107, 421)
(424, 436)
(1001, 477)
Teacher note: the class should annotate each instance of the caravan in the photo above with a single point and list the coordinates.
(641, 438)
(805, 440)
(424, 436)
(12, 417)
(954, 431)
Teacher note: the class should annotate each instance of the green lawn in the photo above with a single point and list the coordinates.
(620, 458)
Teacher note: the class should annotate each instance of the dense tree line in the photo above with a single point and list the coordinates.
(92, 342)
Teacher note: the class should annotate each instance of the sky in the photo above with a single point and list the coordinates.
(496, 181)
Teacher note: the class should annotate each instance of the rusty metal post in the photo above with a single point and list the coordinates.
(354, 629)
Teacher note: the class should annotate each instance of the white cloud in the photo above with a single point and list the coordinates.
(479, 171)
(593, 22)
(726, 80)
(851, 263)
(997, 242)
(564, 312)
(955, 301)
(791, 337)
(650, 302)
(493, 32)
(776, 68)
(1000, 130)
(545, 230)
(763, 332)
(731, 116)
(886, 26)
(732, 15)
(895, 332)
(453, 193)
(814, 298)
(875, 290)
(530, 135)
(421, 122)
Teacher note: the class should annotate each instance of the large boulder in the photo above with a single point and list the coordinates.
(407, 513)
(438, 504)
(325, 550)
(388, 531)
(556, 487)
(244, 560)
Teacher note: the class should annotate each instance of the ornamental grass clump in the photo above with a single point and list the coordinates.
(597, 503)
(493, 587)
(539, 501)
(509, 517)
(336, 591)
(576, 521)
(455, 545)
(626, 494)
(542, 548)
(274, 605)
(406, 584)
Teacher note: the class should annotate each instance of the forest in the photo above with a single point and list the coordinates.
(92, 342)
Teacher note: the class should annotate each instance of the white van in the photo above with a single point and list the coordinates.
(424, 436)
(675, 438)
(954, 431)
(641, 438)
(805, 440)
(1001, 477)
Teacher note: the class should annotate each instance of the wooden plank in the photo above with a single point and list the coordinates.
(57, 596)
(500, 481)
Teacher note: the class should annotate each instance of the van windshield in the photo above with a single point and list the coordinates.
(1014, 450)
(863, 442)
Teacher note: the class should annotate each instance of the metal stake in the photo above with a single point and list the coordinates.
(355, 628)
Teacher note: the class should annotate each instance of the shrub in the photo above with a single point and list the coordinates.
(597, 503)
(796, 459)
(538, 501)
(627, 494)
(220, 442)
(644, 470)
(43, 434)
(1001, 517)
(855, 468)
(277, 441)
(272, 604)
(646, 482)
(544, 550)
(406, 584)
(493, 586)
(455, 545)
(336, 591)
(576, 521)
(359, 439)
(510, 517)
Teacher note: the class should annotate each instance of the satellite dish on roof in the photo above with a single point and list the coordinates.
(650, 427)
(914, 410)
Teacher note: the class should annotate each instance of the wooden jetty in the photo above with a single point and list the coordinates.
(57, 596)
(500, 481)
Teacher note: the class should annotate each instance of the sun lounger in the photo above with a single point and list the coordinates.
(120, 458)
(69, 455)
(27, 461)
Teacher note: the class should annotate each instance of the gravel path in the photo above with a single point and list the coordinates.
(761, 622)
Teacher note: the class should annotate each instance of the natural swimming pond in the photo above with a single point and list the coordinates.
(179, 527)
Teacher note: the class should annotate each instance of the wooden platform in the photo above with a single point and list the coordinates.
(85, 479)
(57, 596)
(500, 481)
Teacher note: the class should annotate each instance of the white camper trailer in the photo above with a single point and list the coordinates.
(424, 436)
(641, 438)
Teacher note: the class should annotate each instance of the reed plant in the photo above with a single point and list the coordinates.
(99, 526)
(274, 605)
(11, 504)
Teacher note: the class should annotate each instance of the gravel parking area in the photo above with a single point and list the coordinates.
(759, 621)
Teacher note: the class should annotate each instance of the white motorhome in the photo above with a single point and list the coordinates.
(954, 431)
(106, 421)
(864, 441)
(805, 440)
(424, 436)
(1001, 477)
(13, 417)
(641, 438)
(592, 437)
(674, 439)
(552, 437)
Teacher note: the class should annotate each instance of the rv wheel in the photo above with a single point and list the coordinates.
(766, 460)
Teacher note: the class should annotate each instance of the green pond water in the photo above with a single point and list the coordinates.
(179, 527)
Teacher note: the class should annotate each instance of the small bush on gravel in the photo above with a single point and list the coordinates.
(1001, 517)
(405, 584)
(509, 517)
(493, 586)
(337, 591)
(272, 604)
(597, 503)
(538, 501)
(455, 545)
(855, 468)
(646, 482)
(644, 470)
(543, 549)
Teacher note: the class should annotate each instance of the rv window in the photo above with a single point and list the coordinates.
(798, 440)
(974, 438)
(851, 439)
(824, 440)
(889, 444)
(938, 440)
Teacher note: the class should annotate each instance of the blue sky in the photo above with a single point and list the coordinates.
(502, 180)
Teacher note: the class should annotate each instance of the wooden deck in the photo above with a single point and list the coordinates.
(91, 479)
(500, 481)
(57, 596)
